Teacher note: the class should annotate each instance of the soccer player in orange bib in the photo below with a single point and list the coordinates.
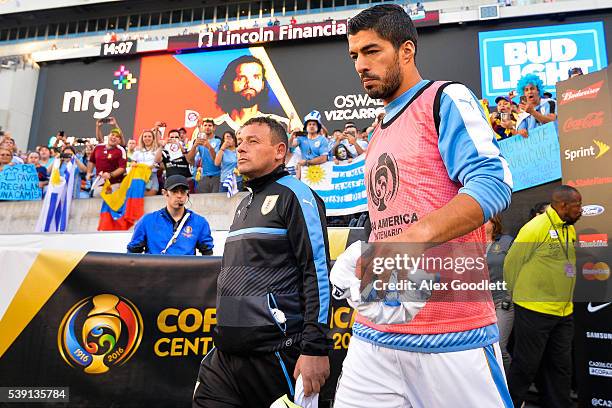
(434, 175)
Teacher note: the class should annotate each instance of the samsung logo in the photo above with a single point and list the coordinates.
(592, 210)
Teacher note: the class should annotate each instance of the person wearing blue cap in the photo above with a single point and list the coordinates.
(313, 145)
(173, 230)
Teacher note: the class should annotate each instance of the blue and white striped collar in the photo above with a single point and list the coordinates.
(393, 108)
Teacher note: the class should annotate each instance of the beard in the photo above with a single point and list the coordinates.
(389, 83)
(228, 100)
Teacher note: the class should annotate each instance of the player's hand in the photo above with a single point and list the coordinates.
(224, 146)
(352, 139)
(314, 371)
(522, 132)
(385, 249)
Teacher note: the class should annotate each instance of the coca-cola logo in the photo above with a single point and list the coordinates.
(592, 120)
(589, 92)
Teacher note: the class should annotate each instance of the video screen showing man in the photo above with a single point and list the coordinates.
(243, 91)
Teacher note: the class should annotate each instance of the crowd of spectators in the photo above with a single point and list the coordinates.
(204, 156)
(534, 108)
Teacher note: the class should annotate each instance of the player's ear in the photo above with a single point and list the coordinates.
(407, 51)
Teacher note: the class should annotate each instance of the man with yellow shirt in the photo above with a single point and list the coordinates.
(540, 271)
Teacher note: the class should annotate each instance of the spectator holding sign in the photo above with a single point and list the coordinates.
(538, 110)
(9, 144)
(5, 158)
(43, 176)
(174, 156)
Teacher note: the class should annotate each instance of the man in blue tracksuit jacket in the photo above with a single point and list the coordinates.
(273, 299)
(173, 230)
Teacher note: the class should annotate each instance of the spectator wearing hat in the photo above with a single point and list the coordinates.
(574, 72)
(173, 230)
(537, 110)
(503, 120)
(313, 145)
(114, 129)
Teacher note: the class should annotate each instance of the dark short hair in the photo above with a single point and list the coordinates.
(538, 208)
(209, 120)
(182, 130)
(276, 129)
(174, 131)
(349, 124)
(232, 134)
(389, 21)
(564, 193)
(497, 225)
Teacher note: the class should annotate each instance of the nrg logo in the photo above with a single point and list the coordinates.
(102, 100)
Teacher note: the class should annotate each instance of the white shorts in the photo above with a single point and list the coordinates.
(374, 376)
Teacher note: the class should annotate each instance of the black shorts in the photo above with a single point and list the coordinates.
(230, 380)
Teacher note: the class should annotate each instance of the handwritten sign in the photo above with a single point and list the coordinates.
(533, 160)
(19, 183)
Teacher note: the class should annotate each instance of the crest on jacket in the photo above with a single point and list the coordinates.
(268, 204)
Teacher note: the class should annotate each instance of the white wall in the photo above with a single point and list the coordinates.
(17, 96)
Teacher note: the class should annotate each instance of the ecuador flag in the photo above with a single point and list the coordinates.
(121, 209)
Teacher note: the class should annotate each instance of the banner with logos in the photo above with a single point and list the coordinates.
(585, 117)
(257, 35)
(19, 182)
(533, 160)
(550, 51)
(341, 186)
(73, 96)
(274, 33)
(123, 330)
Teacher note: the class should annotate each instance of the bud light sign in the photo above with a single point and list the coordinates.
(549, 52)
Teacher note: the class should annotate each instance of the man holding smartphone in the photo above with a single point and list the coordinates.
(503, 121)
(207, 145)
(349, 139)
(114, 128)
